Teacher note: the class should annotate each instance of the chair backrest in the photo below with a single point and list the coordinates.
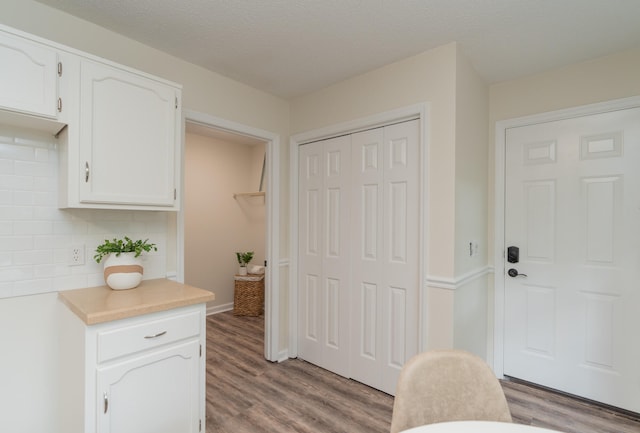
(447, 385)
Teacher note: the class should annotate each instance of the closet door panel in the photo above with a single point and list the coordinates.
(367, 256)
(310, 201)
(324, 252)
(401, 239)
(385, 237)
(336, 271)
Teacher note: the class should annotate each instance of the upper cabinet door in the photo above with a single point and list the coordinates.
(128, 136)
(28, 77)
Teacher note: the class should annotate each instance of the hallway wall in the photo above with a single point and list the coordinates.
(217, 224)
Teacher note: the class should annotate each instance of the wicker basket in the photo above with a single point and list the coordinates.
(248, 295)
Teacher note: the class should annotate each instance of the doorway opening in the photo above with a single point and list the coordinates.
(229, 204)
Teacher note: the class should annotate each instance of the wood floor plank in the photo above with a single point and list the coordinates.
(543, 408)
(247, 394)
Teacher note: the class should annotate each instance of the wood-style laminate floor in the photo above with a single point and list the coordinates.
(246, 393)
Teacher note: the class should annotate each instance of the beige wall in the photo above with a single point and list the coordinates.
(216, 224)
(470, 304)
(471, 158)
(597, 80)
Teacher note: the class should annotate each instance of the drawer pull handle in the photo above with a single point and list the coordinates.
(106, 402)
(159, 334)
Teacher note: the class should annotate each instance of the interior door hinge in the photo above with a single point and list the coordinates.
(59, 69)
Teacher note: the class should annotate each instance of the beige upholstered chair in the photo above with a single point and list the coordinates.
(447, 385)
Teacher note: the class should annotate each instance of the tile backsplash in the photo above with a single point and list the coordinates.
(36, 237)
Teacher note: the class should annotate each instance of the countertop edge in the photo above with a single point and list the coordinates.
(80, 301)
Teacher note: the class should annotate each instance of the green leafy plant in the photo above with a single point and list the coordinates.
(119, 246)
(244, 258)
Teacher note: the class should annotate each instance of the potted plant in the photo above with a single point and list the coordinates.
(123, 265)
(243, 260)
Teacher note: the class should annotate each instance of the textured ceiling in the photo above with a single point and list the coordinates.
(292, 47)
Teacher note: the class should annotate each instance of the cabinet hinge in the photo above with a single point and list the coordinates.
(60, 105)
(59, 69)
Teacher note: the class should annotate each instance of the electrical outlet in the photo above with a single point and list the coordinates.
(76, 255)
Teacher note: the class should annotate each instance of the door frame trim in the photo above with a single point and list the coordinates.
(497, 355)
(418, 111)
(272, 203)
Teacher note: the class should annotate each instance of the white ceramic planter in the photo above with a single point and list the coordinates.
(123, 272)
(242, 270)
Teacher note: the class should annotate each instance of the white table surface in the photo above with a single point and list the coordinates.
(478, 427)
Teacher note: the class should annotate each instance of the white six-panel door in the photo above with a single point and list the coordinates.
(358, 253)
(323, 248)
(572, 206)
(384, 259)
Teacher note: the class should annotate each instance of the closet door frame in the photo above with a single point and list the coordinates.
(417, 111)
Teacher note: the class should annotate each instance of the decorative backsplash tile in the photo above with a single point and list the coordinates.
(36, 237)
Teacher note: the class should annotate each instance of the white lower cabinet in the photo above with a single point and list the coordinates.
(140, 375)
(151, 393)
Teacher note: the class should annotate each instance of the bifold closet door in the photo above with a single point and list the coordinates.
(385, 252)
(323, 253)
(358, 251)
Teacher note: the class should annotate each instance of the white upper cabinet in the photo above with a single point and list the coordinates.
(119, 129)
(28, 81)
(128, 135)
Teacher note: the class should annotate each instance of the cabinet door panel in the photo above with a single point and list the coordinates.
(28, 77)
(128, 137)
(156, 393)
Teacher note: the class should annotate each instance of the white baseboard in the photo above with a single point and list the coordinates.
(219, 308)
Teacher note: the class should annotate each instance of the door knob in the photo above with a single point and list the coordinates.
(514, 273)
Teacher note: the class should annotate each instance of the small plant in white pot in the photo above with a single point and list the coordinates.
(243, 259)
(123, 265)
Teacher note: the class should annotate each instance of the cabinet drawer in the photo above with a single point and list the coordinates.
(125, 340)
